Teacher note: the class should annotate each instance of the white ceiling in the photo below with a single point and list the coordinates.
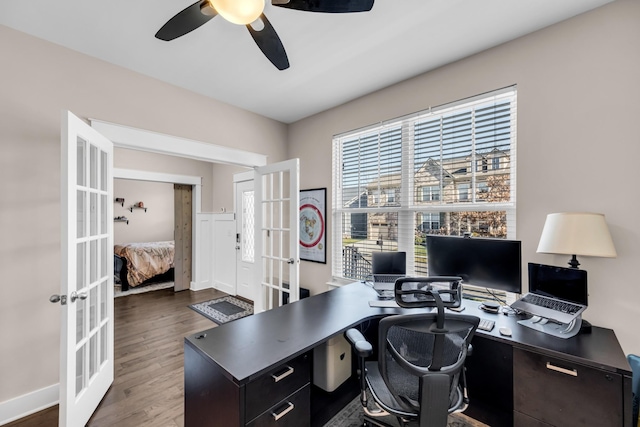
(334, 57)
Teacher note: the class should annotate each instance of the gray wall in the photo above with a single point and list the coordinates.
(578, 141)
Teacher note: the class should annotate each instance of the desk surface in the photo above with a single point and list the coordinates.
(249, 347)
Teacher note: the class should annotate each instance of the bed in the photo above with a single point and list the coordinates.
(136, 264)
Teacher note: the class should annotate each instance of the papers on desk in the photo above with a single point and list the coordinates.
(383, 303)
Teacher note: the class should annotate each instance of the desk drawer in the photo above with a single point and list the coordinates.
(293, 411)
(272, 387)
(565, 394)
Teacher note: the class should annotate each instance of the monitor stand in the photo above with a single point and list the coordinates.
(552, 327)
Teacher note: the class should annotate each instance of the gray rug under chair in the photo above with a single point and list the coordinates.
(224, 309)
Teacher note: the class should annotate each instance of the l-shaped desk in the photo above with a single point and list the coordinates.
(255, 371)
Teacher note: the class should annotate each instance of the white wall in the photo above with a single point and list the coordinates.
(578, 141)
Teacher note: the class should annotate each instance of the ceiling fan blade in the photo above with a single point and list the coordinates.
(269, 43)
(328, 6)
(186, 21)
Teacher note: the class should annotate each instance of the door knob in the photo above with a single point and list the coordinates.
(62, 299)
(74, 296)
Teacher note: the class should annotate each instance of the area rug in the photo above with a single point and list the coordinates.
(223, 310)
(351, 416)
(140, 289)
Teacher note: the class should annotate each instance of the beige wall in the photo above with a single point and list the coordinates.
(38, 81)
(578, 108)
(156, 224)
(578, 101)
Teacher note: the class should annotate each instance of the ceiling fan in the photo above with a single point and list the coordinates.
(250, 13)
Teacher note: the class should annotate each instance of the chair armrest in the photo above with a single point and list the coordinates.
(359, 343)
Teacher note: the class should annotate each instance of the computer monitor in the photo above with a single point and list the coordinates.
(389, 263)
(484, 262)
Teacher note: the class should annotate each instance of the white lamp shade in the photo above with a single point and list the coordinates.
(576, 233)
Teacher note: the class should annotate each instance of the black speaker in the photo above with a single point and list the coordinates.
(490, 307)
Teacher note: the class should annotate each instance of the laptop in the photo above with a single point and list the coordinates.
(386, 268)
(555, 293)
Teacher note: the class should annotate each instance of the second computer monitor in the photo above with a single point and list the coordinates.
(389, 263)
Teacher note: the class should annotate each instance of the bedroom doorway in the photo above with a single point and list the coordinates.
(165, 225)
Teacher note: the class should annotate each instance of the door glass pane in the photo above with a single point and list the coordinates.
(80, 325)
(248, 221)
(93, 308)
(103, 171)
(104, 258)
(103, 343)
(93, 355)
(93, 167)
(79, 370)
(93, 214)
(103, 300)
(103, 214)
(81, 264)
(93, 261)
(80, 160)
(81, 208)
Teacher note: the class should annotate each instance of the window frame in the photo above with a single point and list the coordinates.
(409, 202)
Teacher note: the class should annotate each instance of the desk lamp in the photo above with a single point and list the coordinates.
(576, 233)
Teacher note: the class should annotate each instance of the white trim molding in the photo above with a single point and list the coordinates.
(30, 403)
(139, 175)
(140, 139)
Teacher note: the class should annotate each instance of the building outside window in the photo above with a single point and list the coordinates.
(421, 174)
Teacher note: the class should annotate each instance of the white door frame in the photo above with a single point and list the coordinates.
(153, 142)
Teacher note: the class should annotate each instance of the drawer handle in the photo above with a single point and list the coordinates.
(288, 371)
(284, 412)
(572, 372)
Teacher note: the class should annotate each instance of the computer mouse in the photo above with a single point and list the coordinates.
(505, 331)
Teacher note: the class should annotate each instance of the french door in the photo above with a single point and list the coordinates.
(277, 205)
(86, 351)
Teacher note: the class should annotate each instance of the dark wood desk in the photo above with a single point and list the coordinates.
(247, 372)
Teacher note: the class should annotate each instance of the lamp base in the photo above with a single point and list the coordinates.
(574, 262)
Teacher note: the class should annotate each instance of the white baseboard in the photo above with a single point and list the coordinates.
(198, 286)
(30, 403)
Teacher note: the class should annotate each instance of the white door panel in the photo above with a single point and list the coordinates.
(224, 254)
(86, 361)
(277, 204)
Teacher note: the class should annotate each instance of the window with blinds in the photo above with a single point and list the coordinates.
(449, 170)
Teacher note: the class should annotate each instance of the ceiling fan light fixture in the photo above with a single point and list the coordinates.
(241, 12)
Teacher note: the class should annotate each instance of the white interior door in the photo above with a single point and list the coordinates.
(246, 286)
(86, 353)
(224, 254)
(277, 201)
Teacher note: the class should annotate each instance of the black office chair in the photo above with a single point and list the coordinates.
(419, 375)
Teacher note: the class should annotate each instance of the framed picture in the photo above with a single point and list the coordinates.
(313, 225)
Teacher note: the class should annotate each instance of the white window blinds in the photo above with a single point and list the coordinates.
(449, 170)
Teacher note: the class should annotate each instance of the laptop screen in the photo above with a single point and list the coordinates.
(569, 284)
(389, 263)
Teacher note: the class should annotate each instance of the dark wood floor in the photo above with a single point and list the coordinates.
(148, 389)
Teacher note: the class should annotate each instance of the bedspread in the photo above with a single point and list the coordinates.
(145, 260)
